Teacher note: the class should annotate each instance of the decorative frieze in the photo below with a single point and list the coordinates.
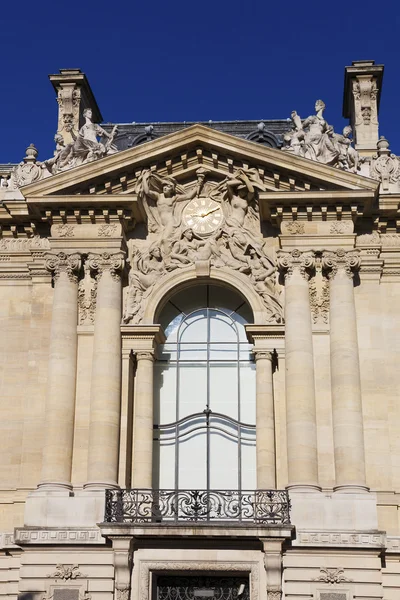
(68, 536)
(340, 539)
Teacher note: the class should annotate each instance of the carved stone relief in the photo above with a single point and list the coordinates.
(332, 576)
(66, 573)
(87, 294)
(385, 166)
(208, 224)
(319, 295)
(316, 140)
(23, 244)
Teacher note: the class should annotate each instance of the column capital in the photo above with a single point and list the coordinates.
(62, 262)
(347, 261)
(114, 263)
(144, 355)
(296, 260)
(262, 355)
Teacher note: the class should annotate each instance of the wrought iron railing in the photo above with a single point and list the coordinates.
(260, 507)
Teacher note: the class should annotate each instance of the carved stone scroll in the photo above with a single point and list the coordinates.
(62, 262)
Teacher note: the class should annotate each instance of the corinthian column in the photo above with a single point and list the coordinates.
(348, 434)
(105, 395)
(300, 386)
(60, 402)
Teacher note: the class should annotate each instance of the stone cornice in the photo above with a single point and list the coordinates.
(160, 148)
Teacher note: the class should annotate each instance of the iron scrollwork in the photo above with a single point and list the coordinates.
(260, 507)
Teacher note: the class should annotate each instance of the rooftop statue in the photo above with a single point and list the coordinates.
(84, 149)
(316, 140)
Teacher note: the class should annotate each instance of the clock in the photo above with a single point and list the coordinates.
(203, 216)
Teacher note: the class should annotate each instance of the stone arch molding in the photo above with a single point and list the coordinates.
(174, 282)
(209, 229)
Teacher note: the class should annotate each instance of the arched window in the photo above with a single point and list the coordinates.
(204, 427)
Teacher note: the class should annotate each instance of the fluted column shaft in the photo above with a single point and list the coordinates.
(61, 384)
(348, 434)
(105, 396)
(265, 422)
(143, 434)
(300, 384)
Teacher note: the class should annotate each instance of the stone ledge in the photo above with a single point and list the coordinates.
(38, 536)
(223, 530)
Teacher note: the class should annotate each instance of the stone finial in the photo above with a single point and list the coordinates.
(362, 89)
(74, 95)
(385, 166)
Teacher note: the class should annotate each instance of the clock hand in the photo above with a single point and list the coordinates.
(209, 212)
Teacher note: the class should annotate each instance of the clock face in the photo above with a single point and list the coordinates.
(203, 216)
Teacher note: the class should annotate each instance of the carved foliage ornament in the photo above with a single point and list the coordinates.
(66, 572)
(289, 262)
(87, 295)
(341, 260)
(208, 224)
(64, 263)
(332, 576)
(114, 263)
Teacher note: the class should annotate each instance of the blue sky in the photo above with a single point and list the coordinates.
(187, 61)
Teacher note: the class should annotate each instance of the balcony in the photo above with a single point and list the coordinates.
(201, 507)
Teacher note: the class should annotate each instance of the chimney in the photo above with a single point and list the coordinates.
(74, 94)
(362, 92)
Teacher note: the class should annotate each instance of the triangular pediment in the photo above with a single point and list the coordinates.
(180, 154)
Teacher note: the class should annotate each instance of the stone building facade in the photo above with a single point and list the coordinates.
(200, 348)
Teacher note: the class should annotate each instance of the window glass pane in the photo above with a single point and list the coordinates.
(167, 465)
(192, 462)
(192, 389)
(224, 389)
(164, 393)
(222, 329)
(248, 393)
(194, 328)
(223, 462)
(192, 352)
(226, 352)
(249, 479)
